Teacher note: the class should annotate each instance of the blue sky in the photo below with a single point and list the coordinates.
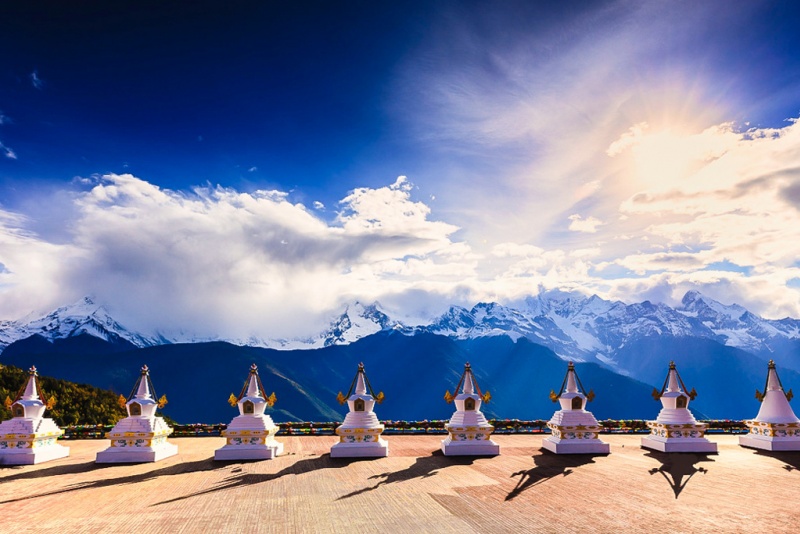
(249, 152)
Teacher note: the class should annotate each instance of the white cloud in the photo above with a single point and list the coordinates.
(7, 152)
(318, 205)
(579, 224)
(217, 261)
(252, 169)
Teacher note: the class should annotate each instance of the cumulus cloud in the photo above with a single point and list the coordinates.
(216, 261)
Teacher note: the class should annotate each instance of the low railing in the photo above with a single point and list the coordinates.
(501, 426)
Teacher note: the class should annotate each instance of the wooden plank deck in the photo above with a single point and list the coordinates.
(413, 490)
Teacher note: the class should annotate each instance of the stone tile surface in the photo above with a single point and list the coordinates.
(416, 489)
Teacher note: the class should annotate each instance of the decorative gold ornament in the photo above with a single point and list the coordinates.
(232, 400)
(486, 397)
(272, 399)
(448, 397)
(341, 398)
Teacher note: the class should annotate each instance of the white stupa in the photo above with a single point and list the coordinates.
(776, 427)
(573, 430)
(140, 437)
(251, 434)
(468, 430)
(675, 429)
(360, 434)
(29, 437)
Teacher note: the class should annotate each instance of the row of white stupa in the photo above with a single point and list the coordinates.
(30, 438)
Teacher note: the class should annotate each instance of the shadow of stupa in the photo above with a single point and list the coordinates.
(678, 468)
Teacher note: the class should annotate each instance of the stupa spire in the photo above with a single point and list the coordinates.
(31, 390)
(672, 378)
(143, 389)
(361, 385)
(253, 389)
(673, 385)
(572, 385)
(469, 385)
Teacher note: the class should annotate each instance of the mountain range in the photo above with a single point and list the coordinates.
(721, 350)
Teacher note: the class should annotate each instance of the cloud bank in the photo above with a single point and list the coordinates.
(218, 262)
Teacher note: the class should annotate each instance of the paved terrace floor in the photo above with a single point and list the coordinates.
(413, 490)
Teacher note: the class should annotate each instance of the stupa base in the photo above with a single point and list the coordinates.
(470, 448)
(376, 449)
(33, 456)
(767, 444)
(679, 445)
(259, 452)
(136, 455)
(575, 446)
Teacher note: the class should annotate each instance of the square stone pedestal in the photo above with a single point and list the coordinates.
(769, 444)
(249, 452)
(576, 446)
(452, 447)
(375, 449)
(679, 444)
(135, 455)
(33, 456)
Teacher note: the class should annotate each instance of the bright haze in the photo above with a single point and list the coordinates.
(249, 168)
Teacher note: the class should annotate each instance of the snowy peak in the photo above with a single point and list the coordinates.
(736, 325)
(355, 322)
(85, 316)
(708, 309)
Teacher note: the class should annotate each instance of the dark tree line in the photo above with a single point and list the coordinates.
(71, 403)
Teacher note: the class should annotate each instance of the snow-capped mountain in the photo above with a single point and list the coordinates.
(82, 317)
(573, 325)
(585, 328)
(88, 317)
(355, 322)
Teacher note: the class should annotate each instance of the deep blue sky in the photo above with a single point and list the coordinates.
(589, 145)
(306, 92)
(193, 91)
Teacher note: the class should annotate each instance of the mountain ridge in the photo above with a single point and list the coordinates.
(574, 326)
